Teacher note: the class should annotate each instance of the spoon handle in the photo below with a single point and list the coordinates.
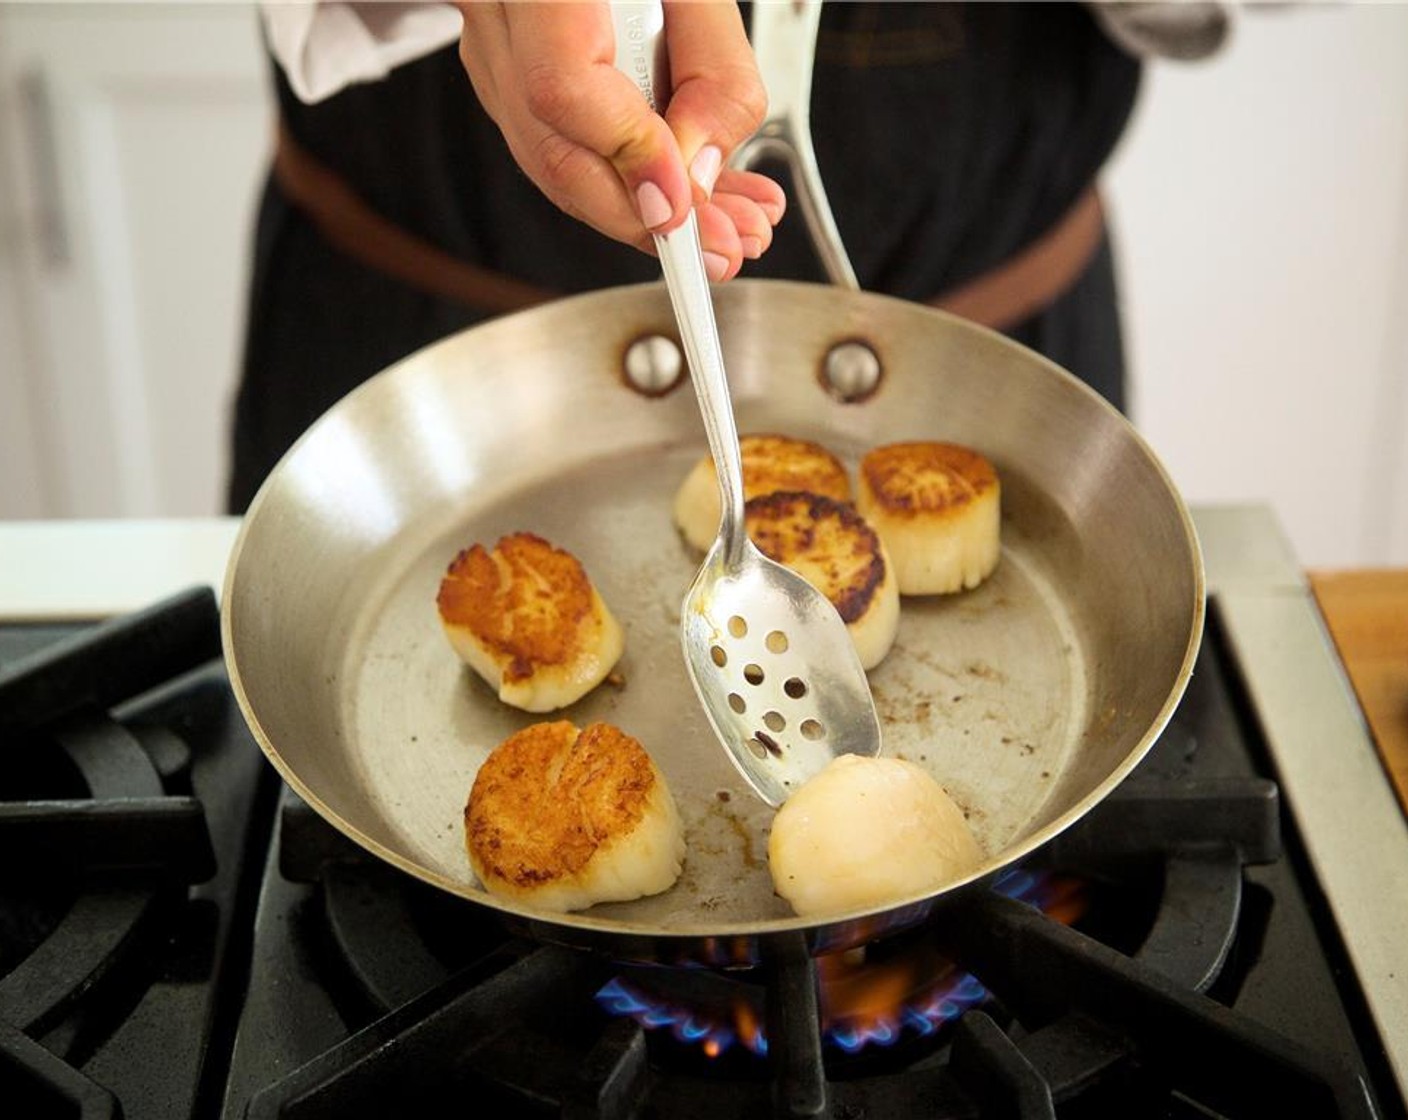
(688, 285)
(640, 55)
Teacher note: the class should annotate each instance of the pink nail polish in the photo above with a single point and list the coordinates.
(705, 168)
(715, 265)
(655, 209)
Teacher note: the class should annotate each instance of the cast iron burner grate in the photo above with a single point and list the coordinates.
(454, 1009)
(512, 1023)
(115, 742)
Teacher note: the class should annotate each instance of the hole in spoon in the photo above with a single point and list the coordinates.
(777, 642)
(737, 703)
(795, 687)
(738, 627)
(812, 729)
(759, 751)
(753, 674)
(718, 656)
(774, 721)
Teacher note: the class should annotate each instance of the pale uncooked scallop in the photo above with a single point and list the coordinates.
(866, 833)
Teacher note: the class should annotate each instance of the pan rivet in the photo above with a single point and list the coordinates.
(654, 365)
(851, 371)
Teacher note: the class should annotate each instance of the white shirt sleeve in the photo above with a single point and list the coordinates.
(328, 45)
(1182, 30)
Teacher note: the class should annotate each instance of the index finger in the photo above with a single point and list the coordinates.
(718, 99)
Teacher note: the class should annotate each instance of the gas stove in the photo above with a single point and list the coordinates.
(180, 936)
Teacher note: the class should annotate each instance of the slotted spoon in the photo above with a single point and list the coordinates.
(769, 656)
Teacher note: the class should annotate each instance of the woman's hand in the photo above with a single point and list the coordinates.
(583, 133)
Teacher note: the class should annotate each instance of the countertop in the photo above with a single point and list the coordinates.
(76, 570)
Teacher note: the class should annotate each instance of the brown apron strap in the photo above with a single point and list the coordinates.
(351, 226)
(1033, 279)
(1009, 294)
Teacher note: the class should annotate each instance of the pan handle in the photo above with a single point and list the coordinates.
(784, 44)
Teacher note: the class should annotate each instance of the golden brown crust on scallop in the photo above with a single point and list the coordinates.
(549, 797)
(826, 541)
(923, 479)
(774, 462)
(527, 602)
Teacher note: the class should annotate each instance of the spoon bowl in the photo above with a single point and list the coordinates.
(776, 671)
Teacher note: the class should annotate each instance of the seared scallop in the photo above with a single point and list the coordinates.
(561, 819)
(527, 619)
(936, 507)
(770, 463)
(866, 833)
(829, 544)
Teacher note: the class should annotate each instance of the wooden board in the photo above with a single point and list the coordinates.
(1367, 615)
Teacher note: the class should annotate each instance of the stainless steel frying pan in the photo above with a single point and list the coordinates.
(1029, 698)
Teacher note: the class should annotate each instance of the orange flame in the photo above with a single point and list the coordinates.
(865, 995)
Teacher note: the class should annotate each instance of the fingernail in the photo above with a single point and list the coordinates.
(716, 266)
(752, 247)
(655, 208)
(705, 168)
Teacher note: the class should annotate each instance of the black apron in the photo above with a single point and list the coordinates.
(949, 137)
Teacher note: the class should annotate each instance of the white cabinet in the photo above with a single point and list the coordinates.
(133, 140)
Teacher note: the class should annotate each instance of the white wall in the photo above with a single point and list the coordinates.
(1261, 207)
